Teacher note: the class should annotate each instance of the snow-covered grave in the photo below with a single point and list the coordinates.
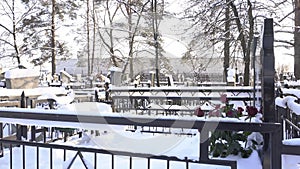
(22, 78)
(33, 92)
(65, 77)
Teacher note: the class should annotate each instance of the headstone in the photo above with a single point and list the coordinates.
(78, 77)
(170, 80)
(66, 77)
(115, 76)
(271, 157)
(231, 77)
(268, 72)
(152, 78)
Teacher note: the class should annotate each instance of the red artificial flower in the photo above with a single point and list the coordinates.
(229, 114)
(223, 98)
(252, 111)
(199, 112)
(218, 106)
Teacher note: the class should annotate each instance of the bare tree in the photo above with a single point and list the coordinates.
(245, 39)
(105, 28)
(245, 18)
(9, 11)
(134, 13)
(155, 36)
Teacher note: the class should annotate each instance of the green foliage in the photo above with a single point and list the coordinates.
(224, 143)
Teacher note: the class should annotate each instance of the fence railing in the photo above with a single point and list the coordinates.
(288, 112)
(272, 154)
(287, 115)
(180, 101)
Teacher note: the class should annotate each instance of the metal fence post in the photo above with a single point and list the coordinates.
(22, 129)
(96, 96)
(204, 144)
(1, 136)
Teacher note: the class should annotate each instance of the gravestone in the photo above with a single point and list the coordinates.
(271, 157)
(115, 76)
(268, 72)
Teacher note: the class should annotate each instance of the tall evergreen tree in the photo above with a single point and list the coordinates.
(30, 31)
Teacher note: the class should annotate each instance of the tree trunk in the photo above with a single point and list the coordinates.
(242, 38)
(227, 42)
(94, 38)
(297, 40)
(14, 34)
(249, 44)
(88, 36)
(130, 54)
(53, 38)
(155, 36)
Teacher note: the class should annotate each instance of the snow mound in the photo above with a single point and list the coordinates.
(292, 142)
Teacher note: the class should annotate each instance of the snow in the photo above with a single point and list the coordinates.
(288, 101)
(231, 75)
(115, 69)
(292, 83)
(34, 91)
(117, 139)
(67, 74)
(295, 92)
(19, 73)
(66, 99)
(290, 162)
(293, 142)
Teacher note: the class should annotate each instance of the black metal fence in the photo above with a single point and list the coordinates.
(272, 153)
(179, 101)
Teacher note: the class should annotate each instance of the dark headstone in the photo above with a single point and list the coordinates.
(268, 72)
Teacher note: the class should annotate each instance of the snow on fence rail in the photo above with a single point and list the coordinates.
(288, 110)
(288, 114)
(93, 119)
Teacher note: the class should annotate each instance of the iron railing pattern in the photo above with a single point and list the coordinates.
(272, 152)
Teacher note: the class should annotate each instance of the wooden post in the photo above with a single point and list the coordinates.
(106, 87)
(23, 100)
(21, 129)
(96, 96)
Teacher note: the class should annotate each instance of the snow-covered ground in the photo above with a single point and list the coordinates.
(172, 145)
(117, 138)
(113, 139)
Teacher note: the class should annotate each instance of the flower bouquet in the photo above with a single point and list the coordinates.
(224, 143)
